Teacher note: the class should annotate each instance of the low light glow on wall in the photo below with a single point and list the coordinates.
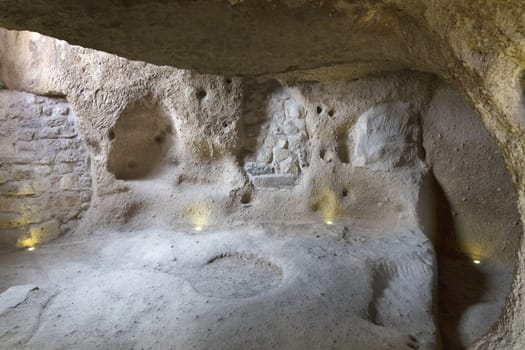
(199, 215)
(328, 206)
(29, 241)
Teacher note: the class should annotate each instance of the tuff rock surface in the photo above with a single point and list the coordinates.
(297, 153)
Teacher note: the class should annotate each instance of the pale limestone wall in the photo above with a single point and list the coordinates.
(202, 164)
(45, 181)
(477, 214)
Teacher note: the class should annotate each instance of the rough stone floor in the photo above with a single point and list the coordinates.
(251, 287)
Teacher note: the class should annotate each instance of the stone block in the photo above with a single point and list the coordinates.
(66, 201)
(264, 155)
(22, 173)
(47, 111)
(4, 176)
(18, 188)
(7, 130)
(23, 146)
(67, 156)
(64, 168)
(41, 184)
(43, 170)
(254, 168)
(49, 132)
(63, 110)
(25, 135)
(72, 200)
(30, 124)
(56, 145)
(45, 160)
(289, 166)
(274, 181)
(85, 181)
(280, 154)
(282, 143)
(69, 182)
(69, 131)
(7, 147)
(54, 121)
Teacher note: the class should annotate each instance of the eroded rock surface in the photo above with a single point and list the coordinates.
(292, 287)
(14, 296)
(386, 137)
(236, 149)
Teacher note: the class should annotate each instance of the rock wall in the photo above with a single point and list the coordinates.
(477, 211)
(172, 147)
(45, 181)
(386, 137)
(477, 48)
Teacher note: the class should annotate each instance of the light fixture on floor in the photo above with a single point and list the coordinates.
(476, 261)
(30, 249)
(199, 215)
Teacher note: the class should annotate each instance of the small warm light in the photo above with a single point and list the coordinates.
(476, 261)
(30, 249)
(328, 205)
(199, 215)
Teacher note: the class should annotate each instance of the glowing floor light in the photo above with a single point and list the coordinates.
(199, 215)
(328, 205)
(30, 249)
(476, 261)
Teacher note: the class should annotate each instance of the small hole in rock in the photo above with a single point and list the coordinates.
(319, 109)
(111, 135)
(225, 124)
(228, 81)
(345, 193)
(331, 113)
(159, 139)
(246, 198)
(201, 94)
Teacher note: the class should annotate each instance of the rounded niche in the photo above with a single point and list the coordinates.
(139, 139)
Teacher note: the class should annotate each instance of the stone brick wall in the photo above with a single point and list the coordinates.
(45, 181)
(276, 151)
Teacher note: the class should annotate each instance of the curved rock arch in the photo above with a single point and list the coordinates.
(479, 49)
